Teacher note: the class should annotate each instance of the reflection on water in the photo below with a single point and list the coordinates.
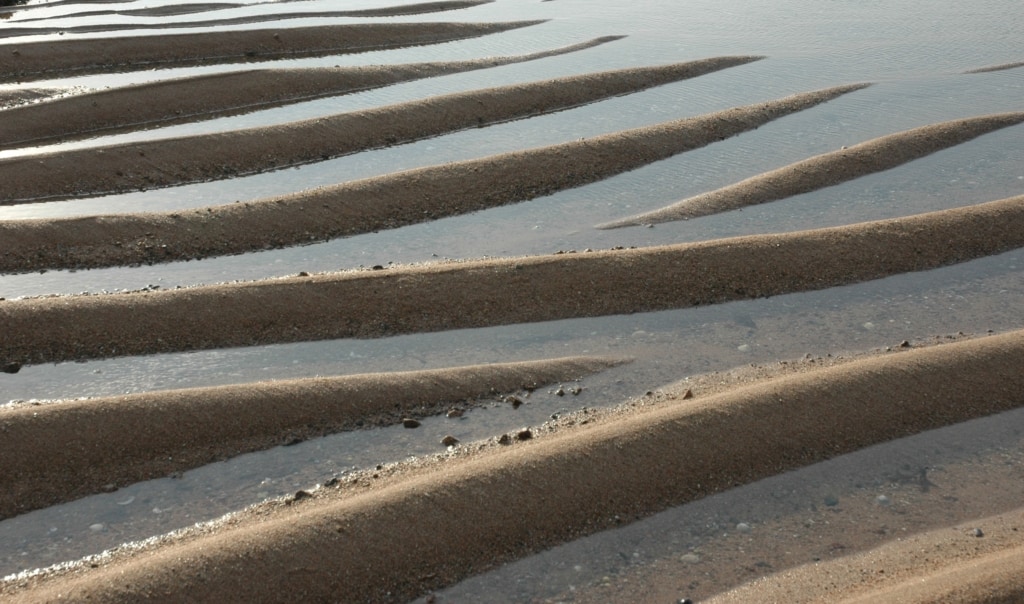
(847, 504)
(914, 50)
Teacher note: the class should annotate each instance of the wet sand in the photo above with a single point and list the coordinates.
(413, 527)
(199, 98)
(171, 162)
(828, 169)
(458, 515)
(410, 299)
(112, 442)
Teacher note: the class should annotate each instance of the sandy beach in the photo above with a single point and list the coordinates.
(407, 529)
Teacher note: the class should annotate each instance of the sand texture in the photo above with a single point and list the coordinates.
(112, 442)
(828, 170)
(45, 60)
(375, 303)
(392, 531)
(341, 544)
(204, 97)
(147, 165)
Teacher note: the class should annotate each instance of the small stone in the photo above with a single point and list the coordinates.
(515, 401)
(831, 501)
(449, 441)
(882, 500)
(452, 413)
(560, 391)
(743, 348)
(688, 394)
(524, 434)
(505, 440)
(977, 532)
(300, 494)
(904, 344)
(97, 527)
(869, 325)
(575, 390)
(743, 527)
(690, 558)
(409, 422)
(11, 367)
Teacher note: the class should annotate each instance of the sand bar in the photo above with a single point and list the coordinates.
(436, 522)
(944, 565)
(170, 162)
(375, 303)
(115, 441)
(198, 98)
(189, 9)
(828, 169)
(66, 58)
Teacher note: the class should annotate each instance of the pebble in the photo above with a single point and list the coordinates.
(454, 413)
(743, 347)
(524, 434)
(831, 500)
(690, 558)
(449, 441)
(869, 325)
(97, 527)
(743, 527)
(505, 440)
(977, 532)
(11, 367)
(409, 422)
(882, 500)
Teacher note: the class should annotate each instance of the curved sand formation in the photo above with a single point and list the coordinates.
(828, 169)
(945, 565)
(165, 11)
(436, 522)
(1002, 67)
(170, 162)
(66, 58)
(216, 95)
(365, 304)
(116, 441)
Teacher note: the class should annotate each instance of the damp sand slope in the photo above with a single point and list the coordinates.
(61, 451)
(66, 58)
(176, 161)
(365, 304)
(185, 100)
(432, 523)
(828, 169)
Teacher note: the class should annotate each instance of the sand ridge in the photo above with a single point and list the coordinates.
(115, 441)
(375, 303)
(828, 169)
(176, 161)
(340, 545)
(192, 99)
(168, 10)
(47, 60)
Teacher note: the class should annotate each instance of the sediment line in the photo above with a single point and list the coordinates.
(368, 304)
(199, 98)
(828, 169)
(67, 58)
(59, 452)
(372, 204)
(455, 518)
(1002, 67)
(900, 571)
(189, 9)
(200, 158)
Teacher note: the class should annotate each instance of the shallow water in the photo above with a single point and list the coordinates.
(914, 52)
